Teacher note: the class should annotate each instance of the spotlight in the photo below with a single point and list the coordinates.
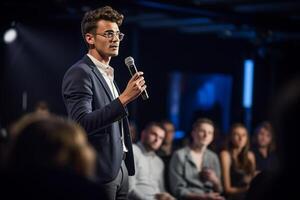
(10, 35)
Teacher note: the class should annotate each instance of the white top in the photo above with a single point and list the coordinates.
(108, 75)
(149, 174)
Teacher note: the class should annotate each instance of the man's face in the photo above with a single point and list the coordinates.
(203, 135)
(106, 47)
(154, 138)
(170, 130)
(264, 137)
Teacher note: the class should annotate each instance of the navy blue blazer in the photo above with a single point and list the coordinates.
(89, 102)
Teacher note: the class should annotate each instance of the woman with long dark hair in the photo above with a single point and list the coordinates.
(238, 163)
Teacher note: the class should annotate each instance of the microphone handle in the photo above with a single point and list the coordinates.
(145, 95)
(133, 70)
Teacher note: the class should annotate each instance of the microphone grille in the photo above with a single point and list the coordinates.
(129, 61)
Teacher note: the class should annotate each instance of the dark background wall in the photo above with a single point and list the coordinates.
(48, 44)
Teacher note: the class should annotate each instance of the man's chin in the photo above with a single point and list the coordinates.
(113, 54)
(154, 148)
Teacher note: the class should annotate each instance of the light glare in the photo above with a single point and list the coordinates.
(10, 35)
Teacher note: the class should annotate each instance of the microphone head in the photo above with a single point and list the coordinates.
(129, 61)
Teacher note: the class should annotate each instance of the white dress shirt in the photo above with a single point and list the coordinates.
(108, 74)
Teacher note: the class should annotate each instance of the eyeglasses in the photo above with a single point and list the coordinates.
(111, 34)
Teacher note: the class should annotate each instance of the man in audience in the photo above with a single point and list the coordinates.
(195, 170)
(148, 182)
(166, 148)
(283, 183)
(264, 148)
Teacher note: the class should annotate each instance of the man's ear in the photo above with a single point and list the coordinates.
(193, 134)
(143, 135)
(89, 38)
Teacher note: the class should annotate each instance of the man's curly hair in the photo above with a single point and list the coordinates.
(90, 19)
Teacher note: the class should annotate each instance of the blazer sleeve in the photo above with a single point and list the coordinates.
(78, 94)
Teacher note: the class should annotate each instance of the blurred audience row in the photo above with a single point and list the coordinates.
(194, 171)
(48, 157)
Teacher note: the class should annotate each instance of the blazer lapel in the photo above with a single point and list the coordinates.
(99, 76)
(119, 94)
(103, 82)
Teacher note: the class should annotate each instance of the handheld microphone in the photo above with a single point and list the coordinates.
(129, 61)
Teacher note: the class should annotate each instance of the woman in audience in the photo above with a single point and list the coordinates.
(52, 142)
(238, 163)
(264, 148)
(195, 170)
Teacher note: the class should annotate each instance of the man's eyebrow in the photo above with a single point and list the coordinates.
(110, 30)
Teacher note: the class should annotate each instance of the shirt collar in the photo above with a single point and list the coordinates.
(189, 156)
(105, 70)
(143, 149)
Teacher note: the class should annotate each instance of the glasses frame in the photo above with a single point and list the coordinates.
(112, 34)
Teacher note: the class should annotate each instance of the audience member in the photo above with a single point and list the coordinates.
(166, 148)
(148, 181)
(238, 163)
(282, 183)
(50, 158)
(195, 170)
(264, 148)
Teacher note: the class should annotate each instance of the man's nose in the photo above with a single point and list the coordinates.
(115, 37)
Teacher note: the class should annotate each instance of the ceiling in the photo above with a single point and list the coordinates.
(271, 20)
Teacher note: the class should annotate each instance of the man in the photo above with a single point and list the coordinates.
(148, 182)
(92, 99)
(166, 148)
(195, 171)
